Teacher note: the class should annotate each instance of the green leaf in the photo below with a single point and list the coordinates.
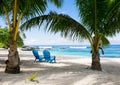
(33, 76)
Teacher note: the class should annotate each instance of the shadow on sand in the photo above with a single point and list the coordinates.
(60, 73)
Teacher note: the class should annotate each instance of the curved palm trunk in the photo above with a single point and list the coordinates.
(96, 61)
(13, 62)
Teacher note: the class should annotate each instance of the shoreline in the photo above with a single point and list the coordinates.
(5, 51)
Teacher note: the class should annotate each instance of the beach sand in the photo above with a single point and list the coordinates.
(66, 71)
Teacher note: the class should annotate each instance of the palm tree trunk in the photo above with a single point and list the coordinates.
(13, 62)
(96, 61)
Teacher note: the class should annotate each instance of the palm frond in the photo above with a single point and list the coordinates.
(92, 12)
(31, 8)
(7, 4)
(105, 41)
(112, 24)
(64, 24)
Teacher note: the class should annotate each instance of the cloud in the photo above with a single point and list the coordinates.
(54, 41)
(115, 39)
(62, 12)
(30, 42)
(36, 37)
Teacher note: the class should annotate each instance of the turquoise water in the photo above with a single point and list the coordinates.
(80, 50)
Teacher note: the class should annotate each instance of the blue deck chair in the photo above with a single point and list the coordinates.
(47, 56)
(37, 56)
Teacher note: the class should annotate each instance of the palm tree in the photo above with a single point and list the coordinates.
(16, 11)
(98, 20)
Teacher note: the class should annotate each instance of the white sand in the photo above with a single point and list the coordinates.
(67, 71)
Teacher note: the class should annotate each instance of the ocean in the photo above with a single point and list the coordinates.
(111, 51)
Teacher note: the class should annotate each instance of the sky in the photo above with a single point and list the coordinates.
(37, 36)
(40, 37)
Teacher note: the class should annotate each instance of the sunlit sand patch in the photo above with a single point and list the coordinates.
(32, 69)
(85, 61)
(91, 79)
(60, 75)
(2, 70)
(55, 64)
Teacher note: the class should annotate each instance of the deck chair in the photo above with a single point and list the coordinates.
(37, 56)
(48, 57)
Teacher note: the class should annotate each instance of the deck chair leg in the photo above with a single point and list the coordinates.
(54, 59)
(50, 61)
(35, 60)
